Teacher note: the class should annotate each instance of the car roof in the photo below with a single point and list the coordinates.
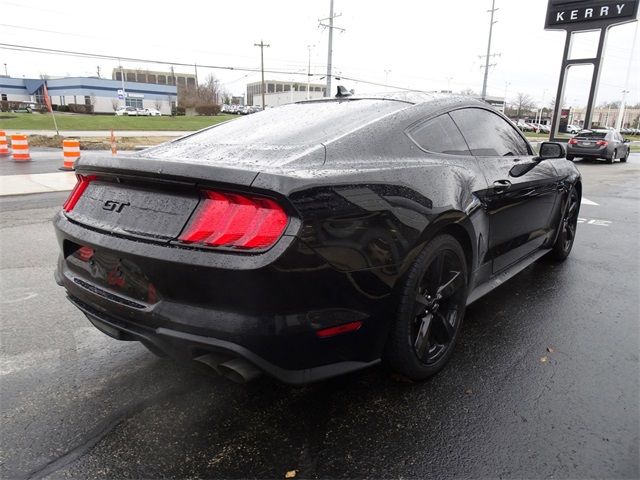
(411, 97)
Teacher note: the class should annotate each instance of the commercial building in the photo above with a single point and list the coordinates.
(155, 77)
(105, 95)
(289, 92)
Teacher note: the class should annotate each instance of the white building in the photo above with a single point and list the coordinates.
(105, 95)
(283, 92)
(277, 99)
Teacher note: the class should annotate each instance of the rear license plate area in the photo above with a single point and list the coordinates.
(108, 275)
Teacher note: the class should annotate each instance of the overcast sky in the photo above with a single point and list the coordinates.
(424, 45)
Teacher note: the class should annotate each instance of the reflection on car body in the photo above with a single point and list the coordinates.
(317, 238)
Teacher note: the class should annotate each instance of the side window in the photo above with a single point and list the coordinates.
(488, 135)
(440, 135)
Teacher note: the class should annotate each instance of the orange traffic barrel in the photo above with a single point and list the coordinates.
(20, 147)
(114, 150)
(70, 153)
(4, 146)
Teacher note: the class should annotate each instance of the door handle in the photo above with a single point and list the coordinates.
(501, 186)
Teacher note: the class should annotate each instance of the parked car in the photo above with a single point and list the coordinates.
(129, 111)
(142, 112)
(350, 231)
(573, 129)
(153, 112)
(599, 144)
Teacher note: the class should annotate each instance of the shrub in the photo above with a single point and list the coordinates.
(208, 109)
(80, 108)
(8, 106)
(180, 111)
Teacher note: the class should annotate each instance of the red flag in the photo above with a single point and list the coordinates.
(47, 100)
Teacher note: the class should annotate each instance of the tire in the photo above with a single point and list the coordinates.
(426, 327)
(570, 158)
(626, 157)
(568, 225)
(613, 156)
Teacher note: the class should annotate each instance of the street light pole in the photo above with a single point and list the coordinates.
(504, 102)
(623, 103)
(309, 47)
(262, 45)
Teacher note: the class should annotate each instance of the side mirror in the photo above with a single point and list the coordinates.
(550, 150)
(626, 140)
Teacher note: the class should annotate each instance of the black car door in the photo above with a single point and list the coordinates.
(519, 202)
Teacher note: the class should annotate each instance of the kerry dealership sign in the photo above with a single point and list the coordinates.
(576, 17)
(564, 14)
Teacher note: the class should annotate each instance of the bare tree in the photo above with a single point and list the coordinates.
(114, 104)
(158, 104)
(524, 104)
(468, 92)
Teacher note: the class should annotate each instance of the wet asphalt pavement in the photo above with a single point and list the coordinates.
(543, 384)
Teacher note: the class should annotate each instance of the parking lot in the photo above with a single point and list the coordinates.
(544, 381)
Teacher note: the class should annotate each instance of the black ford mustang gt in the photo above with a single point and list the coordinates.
(317, 238)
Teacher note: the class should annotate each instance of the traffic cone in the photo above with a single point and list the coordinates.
(4, 147)
(114, 150)
(20, 147)
(70, 153)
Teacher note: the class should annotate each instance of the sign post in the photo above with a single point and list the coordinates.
(574, 16)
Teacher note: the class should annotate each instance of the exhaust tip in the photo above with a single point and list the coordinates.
(238, 370)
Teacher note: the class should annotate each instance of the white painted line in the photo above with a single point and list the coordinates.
(586, 201)
(36, 183)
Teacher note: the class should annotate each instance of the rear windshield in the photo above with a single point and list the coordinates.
(592, 135)
(295, 124)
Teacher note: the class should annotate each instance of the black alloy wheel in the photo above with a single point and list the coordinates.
(431, 310)
(567, 235)
(626, 156)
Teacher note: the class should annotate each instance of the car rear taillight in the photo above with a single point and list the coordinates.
(602, 143)
(573, 141)
(78, 190)
(236, 221)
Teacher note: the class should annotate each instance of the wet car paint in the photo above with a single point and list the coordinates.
(363, 203)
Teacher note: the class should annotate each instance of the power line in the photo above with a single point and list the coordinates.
(53, 51)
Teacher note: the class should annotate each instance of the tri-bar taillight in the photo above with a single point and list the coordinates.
(78, 190)
(235, 220)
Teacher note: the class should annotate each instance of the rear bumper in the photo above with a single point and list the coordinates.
(582, 152)
(266, 310)
(177, 344)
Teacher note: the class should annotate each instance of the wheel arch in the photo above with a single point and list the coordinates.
(459, 226)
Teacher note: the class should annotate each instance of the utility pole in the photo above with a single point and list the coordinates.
(330, 26)
(5, 70)
(386, 76)
(262, 45)
(97, 70)
(309, 47)
(623, 103)
(488, 57)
